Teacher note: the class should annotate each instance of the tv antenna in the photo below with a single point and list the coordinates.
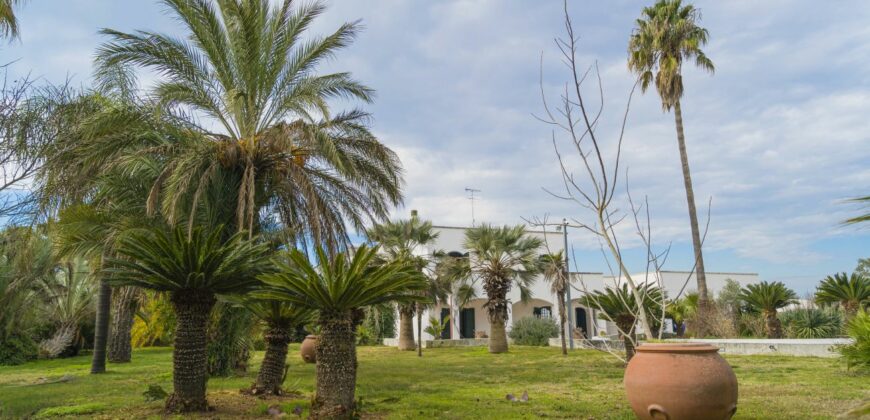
(471, 192)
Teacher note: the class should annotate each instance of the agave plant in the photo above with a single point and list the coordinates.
(851, 292)
(193, 267)
(339, 288)
(767, 298)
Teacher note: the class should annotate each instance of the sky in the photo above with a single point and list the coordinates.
(777, 138)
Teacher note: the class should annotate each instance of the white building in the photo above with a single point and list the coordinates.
(472, 319)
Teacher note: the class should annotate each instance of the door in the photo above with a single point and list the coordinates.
(580, 320)
(466, 323)
(445, 313)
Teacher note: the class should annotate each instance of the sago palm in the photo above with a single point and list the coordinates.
(554, 271)
(339, 288)
(502, 257)
(767, 298)
(667, 35)
(193, 267)
(244, 65)
(619, 306)
(281, 319)
(404, 240)
(851, 292)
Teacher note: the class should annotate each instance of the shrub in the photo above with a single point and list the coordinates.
(533, 331)
(857, 354)
(811, 323)
(17, 349)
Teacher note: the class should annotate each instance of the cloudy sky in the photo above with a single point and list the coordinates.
(777, 138)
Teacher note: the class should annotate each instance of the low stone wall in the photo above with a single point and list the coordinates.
(825, 347)
(429, 344)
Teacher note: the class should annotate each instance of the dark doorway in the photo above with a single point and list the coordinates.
(580, 320)
(445, 335)
(466, 323)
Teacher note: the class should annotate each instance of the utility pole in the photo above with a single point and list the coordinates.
(471, 192)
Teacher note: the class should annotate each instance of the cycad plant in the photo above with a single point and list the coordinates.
(767, 298)
(281, 319)
(619, 306)
(339, 288)
(193, 268)
(851, 292)
(502, 257)
(666, 36)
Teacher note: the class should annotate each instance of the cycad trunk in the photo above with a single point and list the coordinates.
(628, 338)
(850, 309)
(271, 375)
(101, 328)
(336, 369)
(703, 298)
(189, 355)
(124, 307)
(406, 327)
(772, 324)
(561, 296)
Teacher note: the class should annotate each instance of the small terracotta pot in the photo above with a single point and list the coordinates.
(309, 345)
(680, 381)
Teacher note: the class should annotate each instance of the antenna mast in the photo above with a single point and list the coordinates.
(471, 192)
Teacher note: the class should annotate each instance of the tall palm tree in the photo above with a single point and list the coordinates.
(554, 271)
(862, 218)
(502, 257)
(8, 20)
(767, 298)
(850, 292)
(193, 267)
(243, 65)
(666, 35)
(403, 240)
(339, 288)
(281, 320)
(619, 306)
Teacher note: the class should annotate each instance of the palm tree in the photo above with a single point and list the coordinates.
(555, 273)
(193, 267)
(850, 292)
(667, 34)
(399, 240)
(279, 148)
(339, 288)
(502, 257)
(767, 298)
(863, 218)
(69, 291)
(619, 306)
(681, 310)
(281, 320)
(8, 20)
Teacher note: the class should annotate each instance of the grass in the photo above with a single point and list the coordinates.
(445, 383)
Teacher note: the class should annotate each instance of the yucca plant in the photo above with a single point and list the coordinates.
(339, 288)
(502, 257)
(851, 292)
(281, 319)
(767, 298)
(619, 306)
(193, 268)
(811, 322)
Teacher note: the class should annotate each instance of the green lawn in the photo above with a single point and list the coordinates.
(445, 383)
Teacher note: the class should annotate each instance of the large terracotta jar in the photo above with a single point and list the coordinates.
(680, 381)
(308, 348)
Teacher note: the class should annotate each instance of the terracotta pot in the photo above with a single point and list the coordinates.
(680, 381)
(309, 345)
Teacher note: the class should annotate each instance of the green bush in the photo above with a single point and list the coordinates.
(533, 331)
(857, 354)
(17, 349)
(811, 323)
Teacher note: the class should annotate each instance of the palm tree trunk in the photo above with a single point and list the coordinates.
(336, 369)
(190, 355)
(497, 335)
(561, 296)
(419, 331)
(101, 328)
(271, 375)
(773, 325)
(124, 307)
(406, 328)
(703, 297)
